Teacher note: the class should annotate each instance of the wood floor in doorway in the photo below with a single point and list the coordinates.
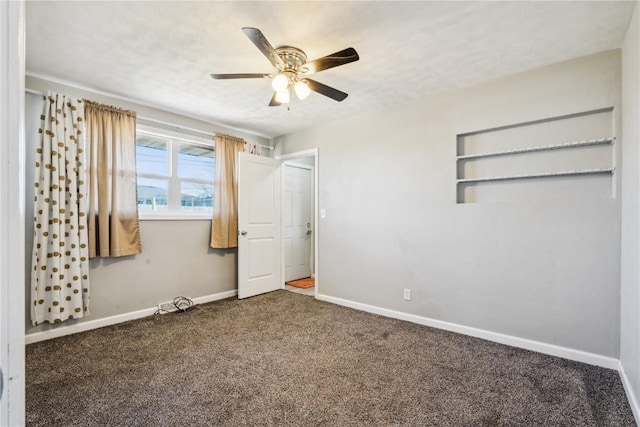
(307, 282)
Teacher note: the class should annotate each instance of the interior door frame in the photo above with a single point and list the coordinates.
(316, 264)
(12, 212)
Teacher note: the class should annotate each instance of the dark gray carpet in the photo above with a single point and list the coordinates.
(284, 359)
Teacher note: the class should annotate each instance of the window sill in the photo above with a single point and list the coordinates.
(167, 216)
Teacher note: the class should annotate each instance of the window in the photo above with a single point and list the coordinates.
(175, 175)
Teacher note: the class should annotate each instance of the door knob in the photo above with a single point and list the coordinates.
(244, 233)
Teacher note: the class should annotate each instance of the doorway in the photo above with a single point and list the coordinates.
(299, 222)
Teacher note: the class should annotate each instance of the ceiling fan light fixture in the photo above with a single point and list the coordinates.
(292, 68)
(302, 90)
(283, 96)
(280, 83)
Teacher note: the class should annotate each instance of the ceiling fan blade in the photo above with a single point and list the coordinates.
(241, 76)
(261, 42)
(334, 60)
(326, 90)
(273, 102)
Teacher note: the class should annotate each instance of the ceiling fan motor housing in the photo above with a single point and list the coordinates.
(293, 59)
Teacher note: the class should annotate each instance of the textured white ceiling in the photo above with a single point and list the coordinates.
(161, 53)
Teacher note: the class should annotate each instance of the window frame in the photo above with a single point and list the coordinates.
(174, 140)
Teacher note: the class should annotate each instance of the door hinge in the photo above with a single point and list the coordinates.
(1, 383)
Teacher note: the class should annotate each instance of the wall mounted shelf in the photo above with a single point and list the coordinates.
(572, 156)
(564, 145)
(538, 175)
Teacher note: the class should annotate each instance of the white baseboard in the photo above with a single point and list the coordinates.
(631, 395)
(62, 330)
(550, 349)
(215, 297)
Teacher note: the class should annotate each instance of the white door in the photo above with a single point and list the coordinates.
(259, 225)
(297, 221)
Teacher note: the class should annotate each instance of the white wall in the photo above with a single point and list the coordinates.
(176, 259)
(543, 270)
(630, 260)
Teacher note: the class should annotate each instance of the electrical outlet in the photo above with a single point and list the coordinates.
(407, 294)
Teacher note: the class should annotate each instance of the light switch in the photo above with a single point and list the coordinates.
(323, 213)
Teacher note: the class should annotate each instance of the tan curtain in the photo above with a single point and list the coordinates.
(114, 229)
(224, 227)
(60, 263)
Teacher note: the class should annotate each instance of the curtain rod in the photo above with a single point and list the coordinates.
(201, 132)
(161, 122)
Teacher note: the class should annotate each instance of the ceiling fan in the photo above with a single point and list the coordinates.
(293, 69)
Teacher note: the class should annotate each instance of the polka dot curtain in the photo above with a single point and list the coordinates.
(60, 263)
